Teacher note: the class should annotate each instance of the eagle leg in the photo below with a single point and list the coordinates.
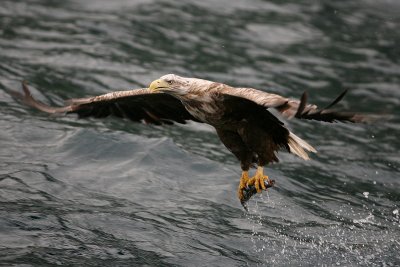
(243, 184)
(258, 180)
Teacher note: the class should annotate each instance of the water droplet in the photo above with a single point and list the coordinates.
(396, 212)
(366, 194)
(374, 182)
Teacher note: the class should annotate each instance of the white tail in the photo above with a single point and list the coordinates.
(298, 146)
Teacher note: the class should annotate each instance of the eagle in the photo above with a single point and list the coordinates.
(241, 117)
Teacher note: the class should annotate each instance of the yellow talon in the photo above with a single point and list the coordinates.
(242, 185)
(258, 180)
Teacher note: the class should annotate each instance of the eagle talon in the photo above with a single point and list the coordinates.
(249, 191)
(243, 184)
(249, 187)
(258, 180)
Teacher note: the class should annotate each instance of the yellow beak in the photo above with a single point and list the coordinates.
(158, 85)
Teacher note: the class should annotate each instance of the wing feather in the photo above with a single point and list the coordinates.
(299, 109)
(326, 114)
(136, 105)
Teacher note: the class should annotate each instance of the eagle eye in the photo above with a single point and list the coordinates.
(169, 82)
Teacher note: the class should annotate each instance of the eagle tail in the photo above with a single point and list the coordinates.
(299, 147)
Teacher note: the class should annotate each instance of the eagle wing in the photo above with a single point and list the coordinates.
(272, 137)
(136, 105)
(300, 109)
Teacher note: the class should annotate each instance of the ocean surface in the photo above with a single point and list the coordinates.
(114, 193)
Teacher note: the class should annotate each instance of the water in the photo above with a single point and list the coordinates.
(92, 193)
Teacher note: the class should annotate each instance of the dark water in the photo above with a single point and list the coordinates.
(92, 193)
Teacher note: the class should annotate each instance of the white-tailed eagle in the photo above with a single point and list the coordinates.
(240, 117)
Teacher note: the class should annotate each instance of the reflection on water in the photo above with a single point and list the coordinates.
(108, 192)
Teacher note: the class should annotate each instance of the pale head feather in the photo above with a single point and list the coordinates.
(179, 86)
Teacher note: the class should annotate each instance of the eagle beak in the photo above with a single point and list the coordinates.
(158, 85)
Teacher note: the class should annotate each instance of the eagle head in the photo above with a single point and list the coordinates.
(171, 84)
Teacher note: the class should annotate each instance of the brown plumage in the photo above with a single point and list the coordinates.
(136, 105)
(239, 115)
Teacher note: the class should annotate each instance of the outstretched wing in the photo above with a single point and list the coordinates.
(304, 111)
(290, 108)
(136, 105)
